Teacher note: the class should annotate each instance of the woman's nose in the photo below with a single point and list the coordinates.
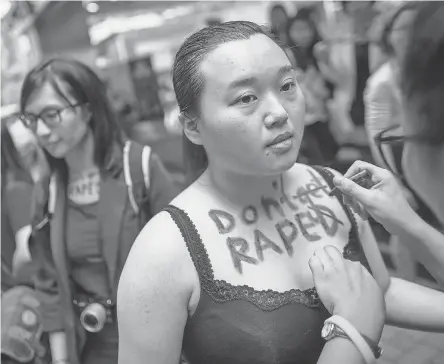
(276, 114)
(42, 129)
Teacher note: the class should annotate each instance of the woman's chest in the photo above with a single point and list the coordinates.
(267, 245)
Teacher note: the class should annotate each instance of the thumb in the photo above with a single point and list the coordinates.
(352, 189)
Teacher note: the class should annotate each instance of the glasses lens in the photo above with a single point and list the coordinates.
(51, 117)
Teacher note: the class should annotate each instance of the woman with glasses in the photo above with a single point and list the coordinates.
(99, 193)
(422, 139)
(383, 113)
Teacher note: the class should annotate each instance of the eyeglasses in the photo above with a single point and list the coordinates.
(51, 117)
(390, 143)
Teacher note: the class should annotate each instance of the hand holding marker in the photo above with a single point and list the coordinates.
(362, 178)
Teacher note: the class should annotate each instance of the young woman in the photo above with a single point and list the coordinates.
(99, 193)
(423, 152)
(228, 279)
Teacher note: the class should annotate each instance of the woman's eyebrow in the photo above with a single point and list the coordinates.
(246, 81)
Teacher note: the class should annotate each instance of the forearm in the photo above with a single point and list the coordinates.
(427, 246)
(340, 350)
(58, 345)
(412, 306)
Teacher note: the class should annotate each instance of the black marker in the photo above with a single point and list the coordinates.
(363, 179)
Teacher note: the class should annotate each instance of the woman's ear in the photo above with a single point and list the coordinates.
(190, 126)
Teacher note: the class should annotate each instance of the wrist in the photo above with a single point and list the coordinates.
(337, 326)
(368, 325)
(413, 226)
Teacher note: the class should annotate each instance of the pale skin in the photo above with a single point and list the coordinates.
(159, 287)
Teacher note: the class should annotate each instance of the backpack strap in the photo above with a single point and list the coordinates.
(146, 153)
(136, 168)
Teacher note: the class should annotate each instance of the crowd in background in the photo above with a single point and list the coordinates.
(348, 70)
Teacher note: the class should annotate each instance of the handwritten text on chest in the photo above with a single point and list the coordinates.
(307, 214)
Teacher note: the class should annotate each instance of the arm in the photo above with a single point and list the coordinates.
(412, 306)
(162, 188)
(153, 295)
(428, 247)
(408, 305)
(340, 350)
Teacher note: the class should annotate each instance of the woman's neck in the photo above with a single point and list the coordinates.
(81, 159)
(238, 189)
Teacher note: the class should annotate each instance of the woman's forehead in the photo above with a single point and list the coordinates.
(258, 56)
(45, 96)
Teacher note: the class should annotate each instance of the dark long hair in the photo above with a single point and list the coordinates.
(422, 76)
(86, 88)
(188, 80)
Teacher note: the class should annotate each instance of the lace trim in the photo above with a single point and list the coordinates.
(267, 300)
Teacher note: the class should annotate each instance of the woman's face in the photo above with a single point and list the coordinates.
(398, 35)
(73, 123)
(251, 110)
(278, 18)
(301, 33)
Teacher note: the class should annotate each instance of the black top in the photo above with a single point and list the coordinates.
(238, 324)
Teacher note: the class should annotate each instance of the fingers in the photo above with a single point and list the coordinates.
(317, 268)
(352, 189)
(359, 166)
(335, 256)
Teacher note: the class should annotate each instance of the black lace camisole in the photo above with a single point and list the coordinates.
(241, 325)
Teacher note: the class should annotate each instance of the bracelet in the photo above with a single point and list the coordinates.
(355, 337)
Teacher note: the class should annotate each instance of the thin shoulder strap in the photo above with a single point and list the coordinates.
(193, 241)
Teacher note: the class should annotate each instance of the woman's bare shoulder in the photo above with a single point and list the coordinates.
(159, 238)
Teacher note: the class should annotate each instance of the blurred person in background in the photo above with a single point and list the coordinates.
(279, 22)
(318, 145)
(22, 338)
(422, 138)
(383, 107)
(16, 193)
(351, 35)
(203, 287)
(97, 194)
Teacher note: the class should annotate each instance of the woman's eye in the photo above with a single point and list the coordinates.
(247, 99)
(288, 86)
(51, 114)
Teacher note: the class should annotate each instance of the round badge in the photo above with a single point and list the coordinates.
(29, 318)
